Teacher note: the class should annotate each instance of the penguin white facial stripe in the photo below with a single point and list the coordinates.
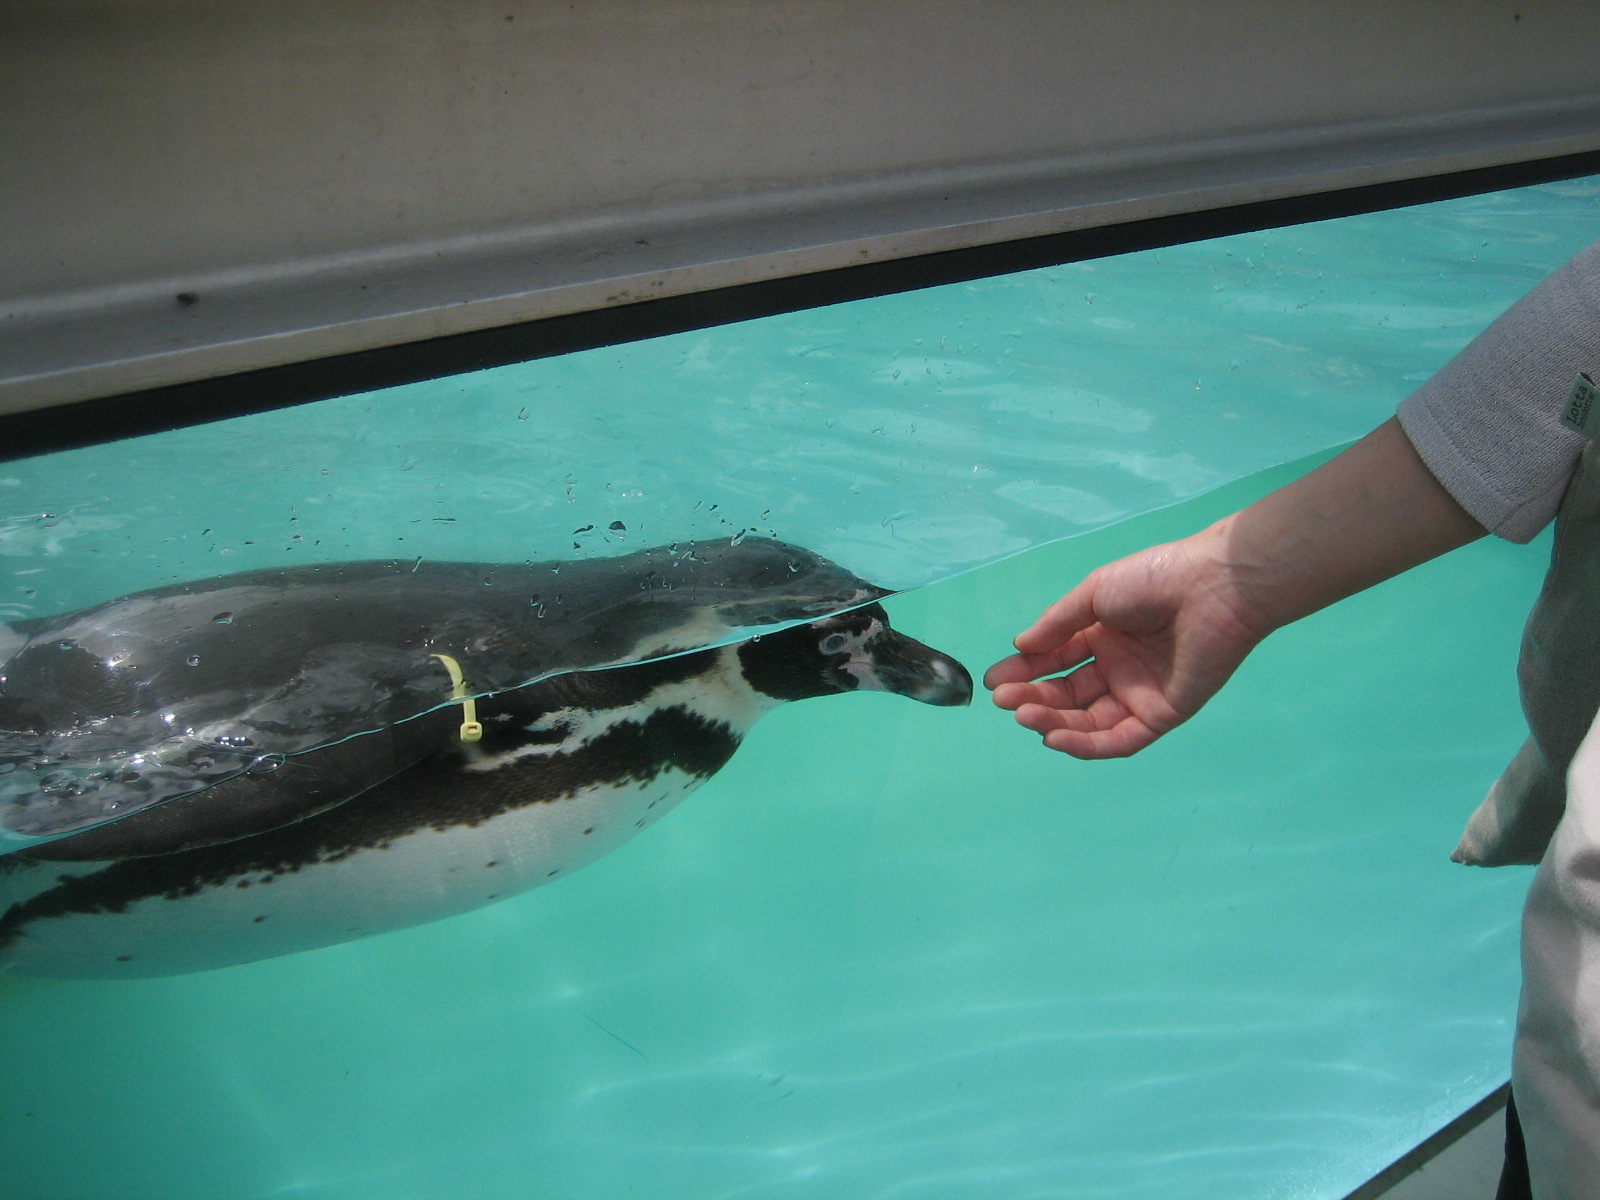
(705, 629)
(860, 665)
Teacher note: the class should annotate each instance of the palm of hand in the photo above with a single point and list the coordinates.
(1145, 643)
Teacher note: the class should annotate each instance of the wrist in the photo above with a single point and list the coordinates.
(1243, 579)
(1365, 515)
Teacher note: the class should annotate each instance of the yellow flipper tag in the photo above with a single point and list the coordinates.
(471, 727)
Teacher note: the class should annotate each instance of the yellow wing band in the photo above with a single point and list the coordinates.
(471, 727)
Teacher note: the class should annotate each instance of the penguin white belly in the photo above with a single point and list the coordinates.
(422, 876)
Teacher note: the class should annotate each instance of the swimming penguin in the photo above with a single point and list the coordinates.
(484, 794)
(120, 707)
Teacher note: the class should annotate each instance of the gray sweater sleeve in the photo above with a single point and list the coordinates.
(1489, 423)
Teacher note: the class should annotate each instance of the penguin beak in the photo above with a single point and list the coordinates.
(906, 667)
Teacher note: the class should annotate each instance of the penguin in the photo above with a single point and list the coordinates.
(475, 799)
(129, 704)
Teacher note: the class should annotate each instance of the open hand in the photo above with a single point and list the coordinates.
(1144, 642)
(1141, 644)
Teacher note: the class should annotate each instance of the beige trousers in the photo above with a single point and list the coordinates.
(1555, 1069)
(1546, 809)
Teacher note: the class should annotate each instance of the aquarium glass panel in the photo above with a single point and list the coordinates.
(891, 949)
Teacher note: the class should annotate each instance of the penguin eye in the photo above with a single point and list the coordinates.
(834, 643)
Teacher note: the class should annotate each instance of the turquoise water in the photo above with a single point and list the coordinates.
(890, 951)
(908, 437)
(893, 951)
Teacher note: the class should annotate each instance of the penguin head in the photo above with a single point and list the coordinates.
(852, 651)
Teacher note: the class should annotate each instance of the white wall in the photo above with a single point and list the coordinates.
(319, 176)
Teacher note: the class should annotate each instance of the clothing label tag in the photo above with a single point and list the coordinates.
(1582, 412)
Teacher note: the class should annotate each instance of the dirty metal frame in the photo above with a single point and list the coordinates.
(132, 414)
(217, 210)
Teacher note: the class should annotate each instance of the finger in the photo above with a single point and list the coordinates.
(1042, 718)
(1018, 668)
(1092, 721)
(1058, 624)
(1104, 731)
(1078, 690)
(1013, 696)
(1127, 737)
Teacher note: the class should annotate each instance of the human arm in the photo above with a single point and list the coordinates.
(1163, 629)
